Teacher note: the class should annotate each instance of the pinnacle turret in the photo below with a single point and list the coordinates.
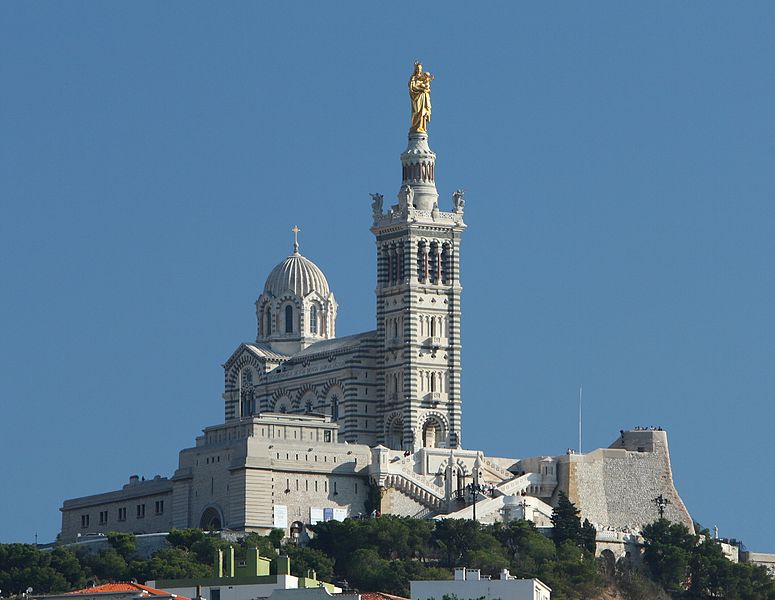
(419, 171)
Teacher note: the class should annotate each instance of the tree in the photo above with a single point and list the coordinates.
(266, 547)
(170, 563)
(566, 521)
(588, 537)
(23, 566)
(305, 559)
(667, 550)
(64, 561)
(106, 565)
(454, 537)
(123, 543)
(184, 538)
(531, 553)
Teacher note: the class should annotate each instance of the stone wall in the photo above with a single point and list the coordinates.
(396, 502)
(245, 469)
(617, 486)
(132, 509)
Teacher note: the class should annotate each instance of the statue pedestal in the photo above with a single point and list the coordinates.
(419, 171)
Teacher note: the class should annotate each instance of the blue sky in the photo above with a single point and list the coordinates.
(617, 159)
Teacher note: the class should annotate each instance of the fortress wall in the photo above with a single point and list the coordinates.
(617, 486)
(585, 489)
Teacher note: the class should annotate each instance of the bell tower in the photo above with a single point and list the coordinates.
(418, 297)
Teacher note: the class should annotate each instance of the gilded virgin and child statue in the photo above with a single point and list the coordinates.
(420, 96)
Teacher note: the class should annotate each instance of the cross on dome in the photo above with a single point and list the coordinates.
(295, 231)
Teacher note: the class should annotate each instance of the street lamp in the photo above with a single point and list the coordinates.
(661, 503)
(475, 489)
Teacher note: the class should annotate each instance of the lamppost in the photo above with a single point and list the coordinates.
(661, 503)
(475, 489)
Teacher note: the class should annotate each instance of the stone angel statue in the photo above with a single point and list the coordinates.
(406, 197)
(376, 204)
(458, 202)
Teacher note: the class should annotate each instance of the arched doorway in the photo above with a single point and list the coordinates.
(211, 520)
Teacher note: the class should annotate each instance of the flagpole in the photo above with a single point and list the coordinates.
(581, 388)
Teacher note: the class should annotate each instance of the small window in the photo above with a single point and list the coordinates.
(122, 514)
(313, 319)
(326, 436)
(103, 517)
(289, 319)
(84, 521)
(159, 507)
(141, 511)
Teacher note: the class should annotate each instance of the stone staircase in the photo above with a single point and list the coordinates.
(516, 485)
(412, 485)
(496, 469)
(486, 505)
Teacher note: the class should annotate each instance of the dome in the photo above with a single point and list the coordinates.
(297, 274)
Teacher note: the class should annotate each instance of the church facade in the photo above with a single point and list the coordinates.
(320, 427)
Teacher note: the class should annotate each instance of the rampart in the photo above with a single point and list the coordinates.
(618, 486)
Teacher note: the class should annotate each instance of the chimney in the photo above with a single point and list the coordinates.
(460, 574)
(283, 565)
(219, 563)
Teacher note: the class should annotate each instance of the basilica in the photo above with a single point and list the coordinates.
(319, 427)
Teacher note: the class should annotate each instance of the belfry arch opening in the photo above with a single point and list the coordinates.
(432, 434)
(395, 436)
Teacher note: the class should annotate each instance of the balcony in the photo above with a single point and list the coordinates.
(433, 397)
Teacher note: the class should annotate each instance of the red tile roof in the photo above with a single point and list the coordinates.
(129, 586)
(380, 596)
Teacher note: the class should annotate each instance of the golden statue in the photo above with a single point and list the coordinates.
(420, 96)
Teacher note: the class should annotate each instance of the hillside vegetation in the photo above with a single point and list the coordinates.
(385, 554)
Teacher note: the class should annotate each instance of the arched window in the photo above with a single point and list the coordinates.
(446, 266)
(433, 261)
(289, 319)
(313, 319)
(267, 324)
(247, 400)
(394, 266)
(334, 407)
(422, 261)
